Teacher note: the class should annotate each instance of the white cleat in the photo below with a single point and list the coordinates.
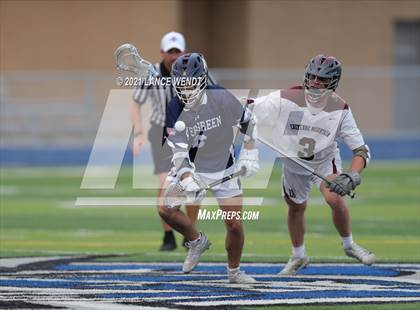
(240, 277)
(361, 254)
(294, 265)
(194, 252)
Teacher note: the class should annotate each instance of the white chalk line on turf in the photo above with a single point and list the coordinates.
(150, 202)
(15, 262)
(147, 202)
(8, 190)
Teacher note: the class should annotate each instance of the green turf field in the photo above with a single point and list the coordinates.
(38, 217)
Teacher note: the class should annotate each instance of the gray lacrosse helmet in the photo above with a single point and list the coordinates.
(189, 78)
(322, 74)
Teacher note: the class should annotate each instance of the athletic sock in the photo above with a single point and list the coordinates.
(195, 241)
(347, 241)
(233, 271)
(298, 252)
(169, 236)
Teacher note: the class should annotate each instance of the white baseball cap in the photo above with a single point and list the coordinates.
(172, 40)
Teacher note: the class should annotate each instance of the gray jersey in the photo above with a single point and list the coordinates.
(208, 135)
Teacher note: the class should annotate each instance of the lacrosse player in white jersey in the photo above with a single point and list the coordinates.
(306, 122)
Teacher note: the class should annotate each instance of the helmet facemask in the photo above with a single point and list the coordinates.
(190, 90)
(317, 90)
(189, 79)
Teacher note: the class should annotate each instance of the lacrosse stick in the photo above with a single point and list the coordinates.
(175, 196)
(127, 58)
(351, 194)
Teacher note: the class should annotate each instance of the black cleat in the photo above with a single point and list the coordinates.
(169, 243)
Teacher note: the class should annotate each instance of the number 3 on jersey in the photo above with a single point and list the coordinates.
(307, 152)
(294, 122)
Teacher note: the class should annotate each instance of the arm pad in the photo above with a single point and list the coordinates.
(364, 152)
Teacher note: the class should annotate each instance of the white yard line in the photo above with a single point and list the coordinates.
(8, 190)
(15, 262)
(147, 202)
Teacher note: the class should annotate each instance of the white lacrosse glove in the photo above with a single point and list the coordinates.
(249, 160)
(192, 190)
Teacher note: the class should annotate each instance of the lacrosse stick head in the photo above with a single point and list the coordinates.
(127, 58)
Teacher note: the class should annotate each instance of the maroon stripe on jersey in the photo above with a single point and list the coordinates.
(285, 193)
(297, 87)
(336, 103)
(334, 166)
(294, 94)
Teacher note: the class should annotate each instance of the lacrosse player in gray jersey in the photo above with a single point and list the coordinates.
(203, 151)
(172, 46)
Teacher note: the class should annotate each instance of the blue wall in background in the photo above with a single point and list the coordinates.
(381, 148)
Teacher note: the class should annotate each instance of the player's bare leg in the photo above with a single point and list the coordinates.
(341, 219)
(234, 241)
(340, 211)
(192, 213)
(161, 181)
(296, 226)
(169, 242)
(296, 222)
(197, 242)
(178, 220)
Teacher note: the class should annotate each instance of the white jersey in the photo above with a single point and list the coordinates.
(284, 120)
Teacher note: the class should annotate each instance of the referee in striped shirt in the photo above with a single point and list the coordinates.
(172, 46)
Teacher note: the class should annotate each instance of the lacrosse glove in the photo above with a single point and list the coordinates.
(249, 160)
(345, 183)
(193, 191)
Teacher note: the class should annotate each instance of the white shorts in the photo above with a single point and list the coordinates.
(297, 187)
(228, 189)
